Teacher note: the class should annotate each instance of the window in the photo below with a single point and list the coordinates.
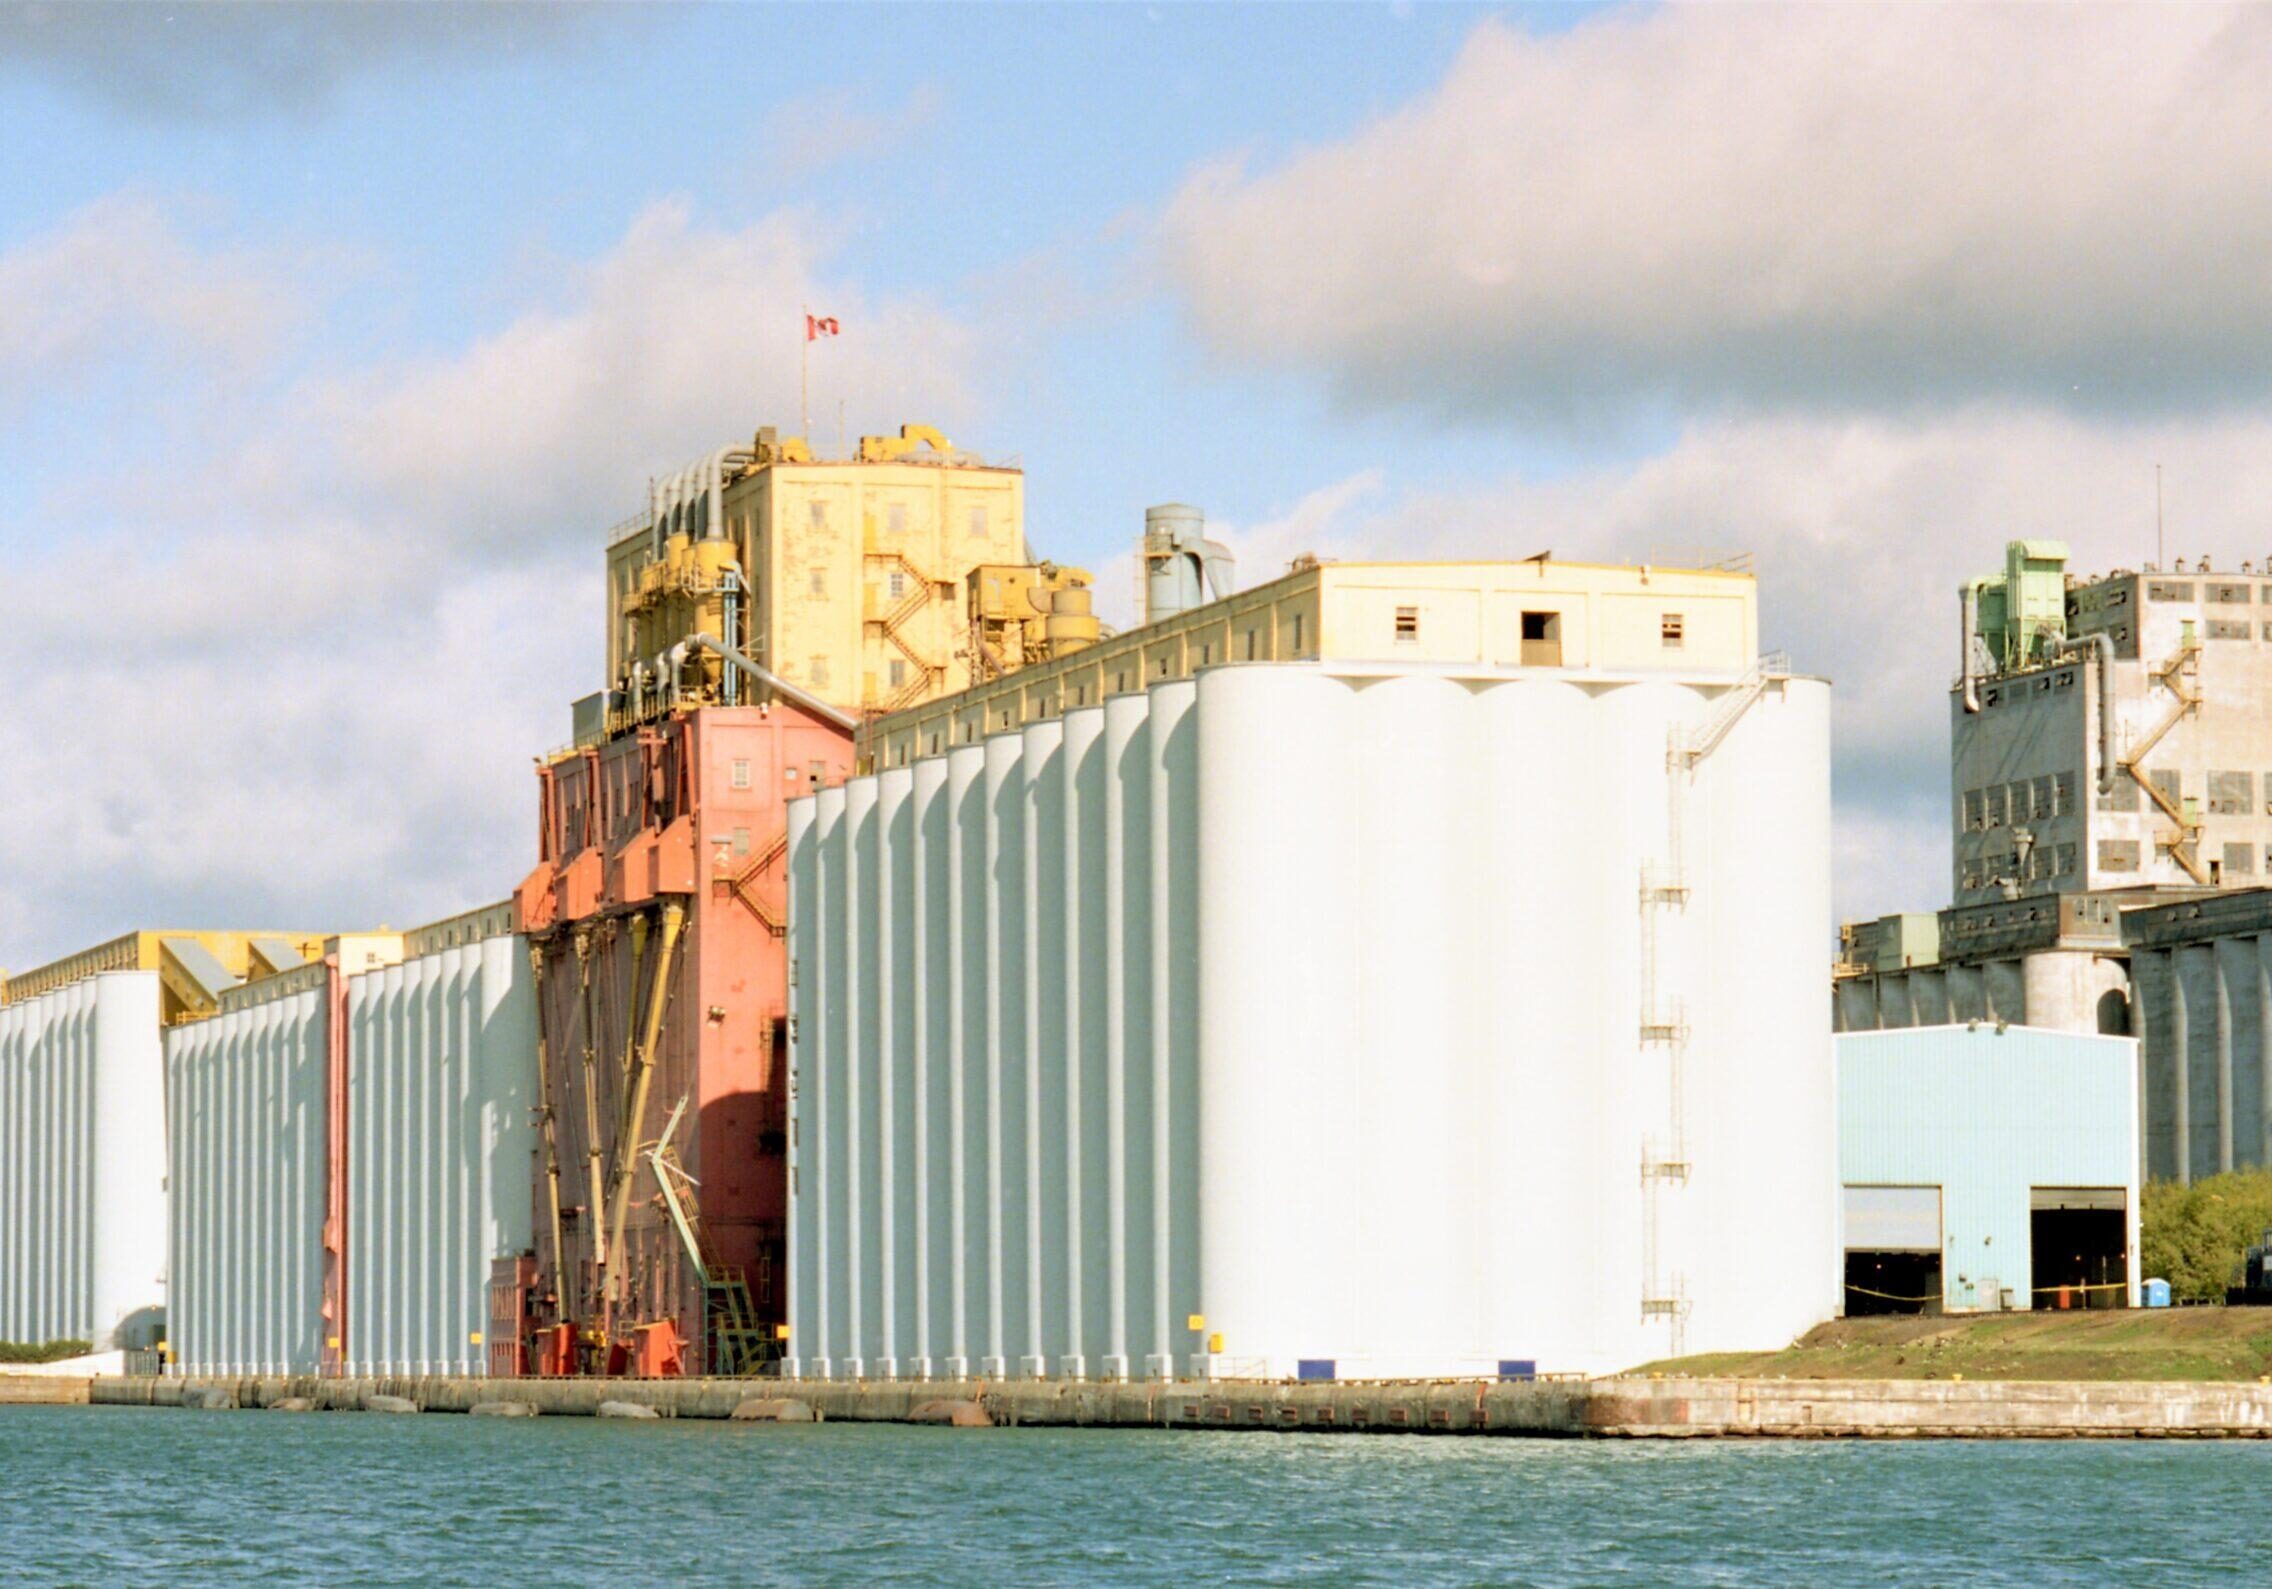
(740, 776)
(2066, 859)
(2046, 793)
(2123, 797)
(2231, 794)
(2240, 860)
(1407, 625)
(1542, 640)
(818, 511)
(1298, 634)
(1975, 810)
(818, 677)
(1206, 655)
(896, 672)
(2232, 593)
(1250, 645)
(2169, 590)
(2172, 787)
(820, 581)
(2063, 794)
(895, 519)
(2231, 629)
(978, 523)
(1996, 807)
(1672, 629)
(741, 841)
(896, 585)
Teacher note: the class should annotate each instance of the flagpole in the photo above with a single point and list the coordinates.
(805, 380)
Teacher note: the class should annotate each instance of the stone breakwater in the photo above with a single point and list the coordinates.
(1600, 1408)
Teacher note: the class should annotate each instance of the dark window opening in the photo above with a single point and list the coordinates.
(1407, 623)
(1879, 1283)
(1542, 639)
(2081, 1255)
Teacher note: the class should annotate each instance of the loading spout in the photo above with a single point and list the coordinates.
(1969, 601)
(2106, 760)
(635, 1101)
(774, 682)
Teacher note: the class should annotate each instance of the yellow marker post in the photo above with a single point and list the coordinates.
(1215, 1342)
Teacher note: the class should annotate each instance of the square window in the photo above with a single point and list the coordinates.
(1407, 625)
(1672, 630)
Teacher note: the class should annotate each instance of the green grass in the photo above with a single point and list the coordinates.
(42, 1351)
(2212, 1343)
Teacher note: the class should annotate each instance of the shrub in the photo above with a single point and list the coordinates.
(2195, 1237)
(42, 1351)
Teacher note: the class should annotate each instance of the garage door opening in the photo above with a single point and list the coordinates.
(1879, 1283)
(1893, 1250)
(2080, 1238)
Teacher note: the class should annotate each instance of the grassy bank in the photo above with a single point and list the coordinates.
(2159, 1343)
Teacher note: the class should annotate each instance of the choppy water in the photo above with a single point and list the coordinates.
(118, 1495)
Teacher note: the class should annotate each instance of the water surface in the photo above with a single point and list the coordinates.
(109, 1495)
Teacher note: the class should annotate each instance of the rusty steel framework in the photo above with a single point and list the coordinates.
(657, 918)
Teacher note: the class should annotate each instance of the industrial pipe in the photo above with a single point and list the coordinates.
(544, 1105)
(2105, 648)
(771, 680)
(1969, 601)
(591, 1112)
(627, 1128)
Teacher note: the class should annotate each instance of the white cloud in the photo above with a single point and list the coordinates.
(130, 276)
(1838, 206)
(681, 338)
(299, 680)
(1861, 530)
(830, 125)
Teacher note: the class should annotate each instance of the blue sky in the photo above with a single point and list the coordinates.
(332, 338)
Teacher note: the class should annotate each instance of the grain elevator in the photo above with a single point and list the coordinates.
(763, 600)
(1392, 970)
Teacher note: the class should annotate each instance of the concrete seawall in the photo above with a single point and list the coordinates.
(1602, 1408)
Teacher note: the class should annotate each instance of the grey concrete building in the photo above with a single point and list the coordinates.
(2201, 970)
(2110, 732)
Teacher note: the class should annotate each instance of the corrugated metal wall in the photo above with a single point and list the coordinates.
(245, 1096)
(1985, 1115)
(82, 1163)
(1313, 1005)
(442, 1081)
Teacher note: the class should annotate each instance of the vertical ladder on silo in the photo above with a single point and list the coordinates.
(1665, 1162)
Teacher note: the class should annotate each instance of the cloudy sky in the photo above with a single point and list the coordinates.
(332, 341)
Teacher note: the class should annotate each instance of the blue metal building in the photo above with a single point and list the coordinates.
(1988, 1167)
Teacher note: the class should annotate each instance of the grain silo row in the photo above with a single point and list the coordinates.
(351, 1157)
(1365, 1021)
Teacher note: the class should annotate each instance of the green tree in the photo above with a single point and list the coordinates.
(2196, 1236)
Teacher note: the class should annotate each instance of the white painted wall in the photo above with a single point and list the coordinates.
(83, 1164)
(1312, 1005)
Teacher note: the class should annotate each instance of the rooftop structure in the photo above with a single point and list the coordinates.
(2110, 732)
(1533, 615)
(195, 967)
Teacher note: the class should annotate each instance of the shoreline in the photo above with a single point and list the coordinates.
(1614, 1408)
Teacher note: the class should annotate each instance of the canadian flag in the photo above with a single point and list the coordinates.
(818, 326)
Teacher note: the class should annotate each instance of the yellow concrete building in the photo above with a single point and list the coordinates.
(852, 573)
(1601, 618)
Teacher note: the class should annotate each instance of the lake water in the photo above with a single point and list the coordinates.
(120, 1495)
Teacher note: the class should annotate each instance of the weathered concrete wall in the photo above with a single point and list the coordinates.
(34, 1390)
(1614, 1408)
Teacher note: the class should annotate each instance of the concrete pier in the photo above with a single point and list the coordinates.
(1600, 1408)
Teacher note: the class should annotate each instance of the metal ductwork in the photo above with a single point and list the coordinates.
(1969, 602)
(1182, 568)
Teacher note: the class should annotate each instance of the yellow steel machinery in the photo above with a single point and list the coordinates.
(1021, 614)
